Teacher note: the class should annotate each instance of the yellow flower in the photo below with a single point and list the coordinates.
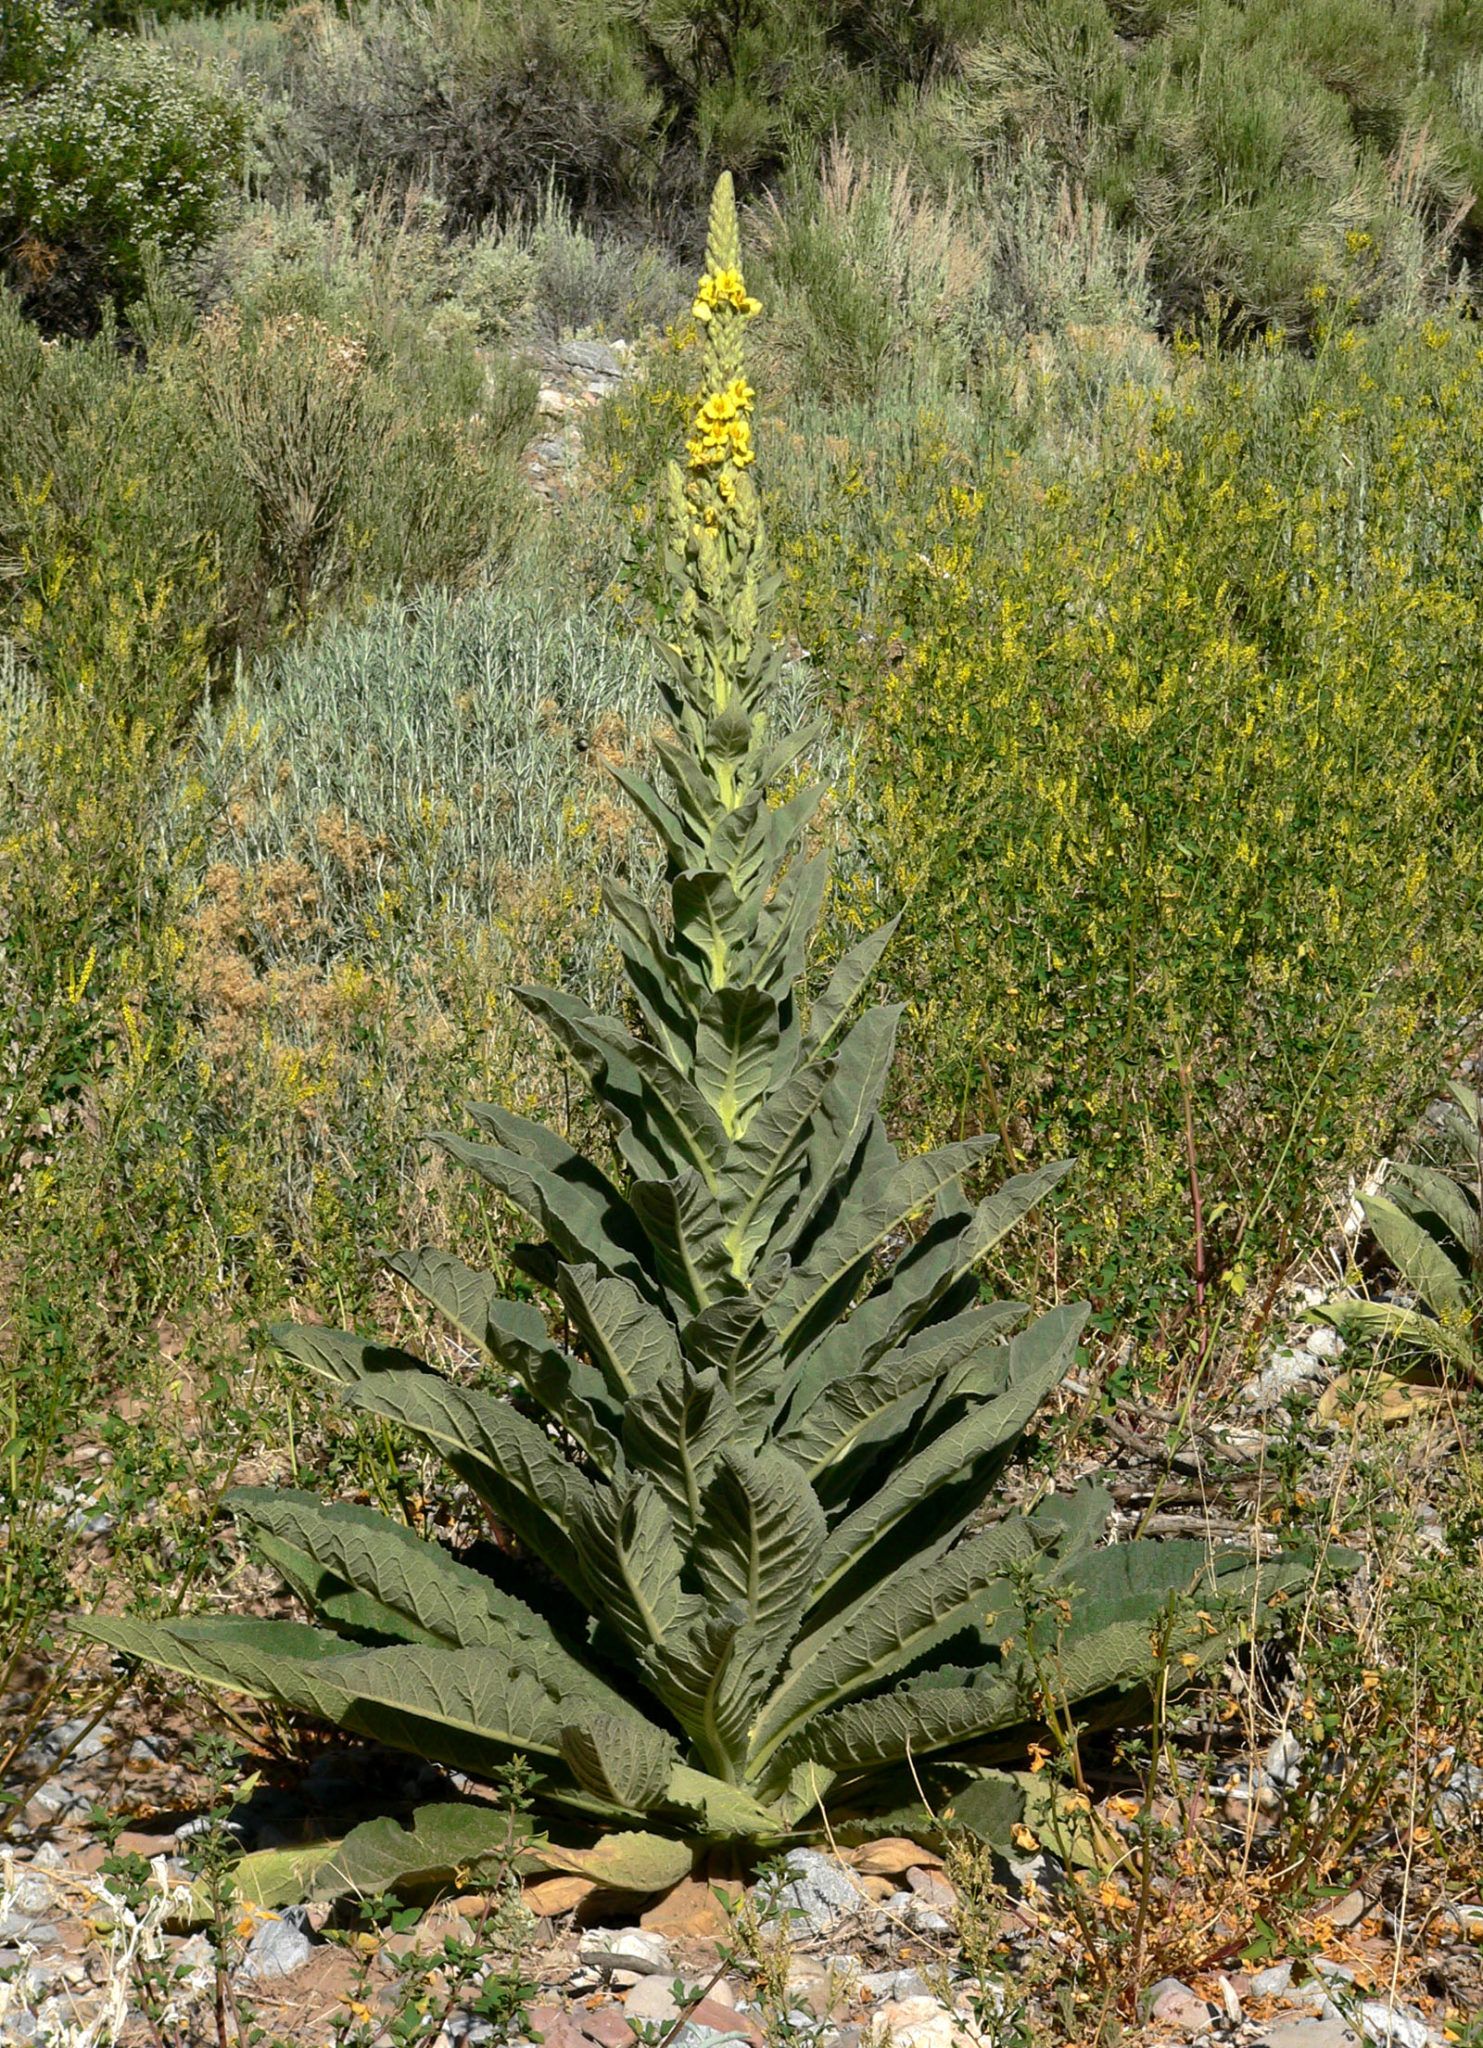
(723, 288)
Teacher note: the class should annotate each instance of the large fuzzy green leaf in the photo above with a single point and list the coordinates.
(666, 1126)
(674, 1433)
(857, 1412)
(958, 1465)
(515, 1335)
(1439, 1195)
(411, 1579)
(573, 1212)
(634, 1564)
(736, 1045)
(876, 1207)
(663, 993)
(917, 1610)
(1136, 1610)
(848, 980)
(916, 1283)
(339, 1355)
(765, 1167)
(465, 1707)
(623, 1760)
(449, 1848)
(759, 1539)
(1421, 1261)
(507, 1460)
(628, 1341)
(688, 1233)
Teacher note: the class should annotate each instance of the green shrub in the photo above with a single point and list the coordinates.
(309, 462)
(117, 148)
(1250, 144)
(877, 284)
(489, 105)
(1194, 713)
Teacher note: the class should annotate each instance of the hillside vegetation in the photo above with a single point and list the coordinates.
(1119, 408)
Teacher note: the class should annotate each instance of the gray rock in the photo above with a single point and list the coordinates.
(1286, 1372)
(1283, 1761)
(1313, 2033)
(694, 2035)
(651, 1999)
(148, 1749)
(819, 1892)
(894, 1984)
(1273, 1981)
(1324, 1342)
(279, 1947)
(20, 2026)
(55, 1801)
(49, 1857)
(462, 2026)
(1391, 2025)
(592, 359)
(631, 1949)
(89, 1742)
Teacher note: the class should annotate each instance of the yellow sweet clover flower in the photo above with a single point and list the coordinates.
(723, 288)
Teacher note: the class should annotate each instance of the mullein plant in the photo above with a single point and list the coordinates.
(751, 1578)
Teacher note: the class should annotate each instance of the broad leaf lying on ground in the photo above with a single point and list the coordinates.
(751, 1575)
(1429, 1224)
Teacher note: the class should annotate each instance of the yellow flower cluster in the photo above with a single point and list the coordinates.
(721, 431)
(723, 288)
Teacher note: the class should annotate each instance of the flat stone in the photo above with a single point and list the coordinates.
(1312, 2033)
(564, 2030)
(608, 2026)
(1173, 2004)
(592, 359)
(918, 2023)
(711, 2018)
(1273, 1981)
(1348, 1911)
(932, 1888)
(651, 1999)
(637, 1950)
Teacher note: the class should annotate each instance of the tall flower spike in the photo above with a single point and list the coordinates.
(744, 903)
(765, 1437)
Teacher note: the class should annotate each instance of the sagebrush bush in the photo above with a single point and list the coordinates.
(1200, 715)
(114, 148)
(879, 282)
(1249, 144)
